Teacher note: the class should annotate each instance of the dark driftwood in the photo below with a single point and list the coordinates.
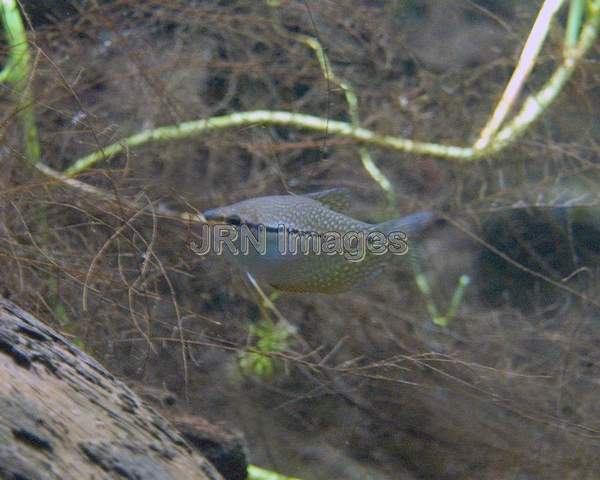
(63, 416)
(223, 446)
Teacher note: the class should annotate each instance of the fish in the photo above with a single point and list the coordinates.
(339, 252)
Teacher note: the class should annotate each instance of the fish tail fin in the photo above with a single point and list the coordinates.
(409, 225)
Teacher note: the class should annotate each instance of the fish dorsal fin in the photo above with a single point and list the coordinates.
(337, 199)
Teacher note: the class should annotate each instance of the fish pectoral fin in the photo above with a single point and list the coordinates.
(337, 199)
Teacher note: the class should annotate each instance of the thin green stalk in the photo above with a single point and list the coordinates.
(257, 473)
(576, 9)
(463, 283)
(423, 286)
(18, 72)
(266, 117)
(525, 65)
(535, 105)
(351, 99)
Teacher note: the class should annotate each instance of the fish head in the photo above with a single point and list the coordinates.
(293, 211)
(245, 212)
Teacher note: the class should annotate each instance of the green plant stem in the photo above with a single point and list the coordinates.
(17, 72)
(351, 99)
(257, 473)
(268, 117)
(535, 105)
(463, 283)
(457, 296)
(525, 65)
(532, 109)
(576, 8)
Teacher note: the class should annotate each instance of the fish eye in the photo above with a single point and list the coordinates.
(234, 220)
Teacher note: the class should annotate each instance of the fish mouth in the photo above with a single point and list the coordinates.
(214, 216)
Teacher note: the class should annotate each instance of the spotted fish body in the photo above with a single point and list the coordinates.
(317, 213)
